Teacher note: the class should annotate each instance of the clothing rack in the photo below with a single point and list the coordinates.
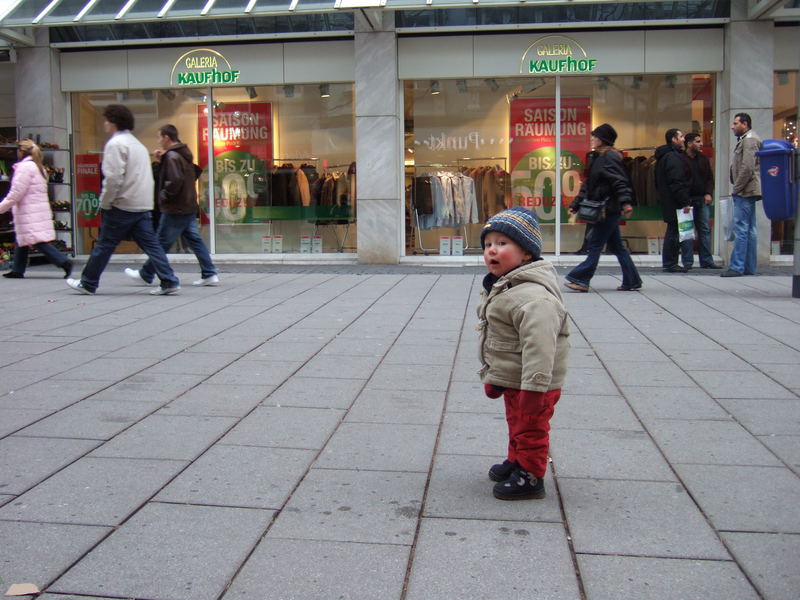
(653, 148)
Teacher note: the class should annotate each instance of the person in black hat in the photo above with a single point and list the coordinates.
(608, 182)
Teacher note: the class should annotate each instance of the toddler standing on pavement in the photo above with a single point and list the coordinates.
(523, 346)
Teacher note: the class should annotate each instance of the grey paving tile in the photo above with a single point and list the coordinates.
(460, 488)
(285, 427)
(302, 569)
(608, 454)
(218, 400)
(13, 419)
(786, 375)
(155, 347)
(166, 436)
(740, 384)
(91, 419)
(357, 347)
(25, 462)
(765, 417)
(5, 498)
(673, 403)
(464, 396)
(39, 552)
(710, 443)
(614, 577)
(11, 380)
(585, 358)
(58, 360)
(256, 372)
(409, 377)
(72, 597)
(709, 360)
(777, 353)
(149, 387)
(397, 406)
(168, 552)
(224, 342)
(594, 412)
(291, 351)
(339, 367)
(770, 560)
(313, 392)
(654, 374)
(380, 446)
(670, 342)
(93, 491)
(612, 335)
(421, 354)
(198, 363)
(786, 447)
(105, 369)
(635, 517)
(353, 506)
(585, 381)
(611, 352)
(460, 559)
(474, 433)
(758, 499)
(241, 476)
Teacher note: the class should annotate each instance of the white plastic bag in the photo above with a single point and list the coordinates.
(685, 225)
(725, 218)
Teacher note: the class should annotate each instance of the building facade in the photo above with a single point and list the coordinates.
(380, 133)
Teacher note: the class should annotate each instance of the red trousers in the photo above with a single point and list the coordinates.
(529, 428)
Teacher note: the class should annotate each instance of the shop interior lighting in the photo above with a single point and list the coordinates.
(324, 90)
(602, 82)
(147, 95)
(288, 91)
(250, 6)
(45, 11)
(637, 82)
(493, 85)
(536, 83)
(671, 79)
(435, 89)
(124, 10)
(251, 92)
(168, 94)
(167, 5)
(461, 86)
(783, 77)
(207, 8)
(84, 10)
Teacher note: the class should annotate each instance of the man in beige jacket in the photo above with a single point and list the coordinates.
(746, 191)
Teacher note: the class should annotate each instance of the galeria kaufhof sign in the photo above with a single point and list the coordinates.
(556, 55)
(202, 67)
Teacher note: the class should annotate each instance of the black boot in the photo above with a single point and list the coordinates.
(521, 485)
(501, 471)
(13, 275)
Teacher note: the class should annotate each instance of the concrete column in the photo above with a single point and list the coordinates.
(746, 86)
(41, 105)
(379, 134)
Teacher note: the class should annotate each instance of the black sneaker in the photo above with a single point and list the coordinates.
(501, 471)
(521, 485)
(674, 269)
(13, 275)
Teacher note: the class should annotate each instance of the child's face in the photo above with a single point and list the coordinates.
(502, 254)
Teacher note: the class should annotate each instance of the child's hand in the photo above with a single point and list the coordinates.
(492, 390)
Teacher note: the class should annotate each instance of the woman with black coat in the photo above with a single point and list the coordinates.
(607, 181)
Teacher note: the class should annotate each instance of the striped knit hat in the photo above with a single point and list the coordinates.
(519, 224)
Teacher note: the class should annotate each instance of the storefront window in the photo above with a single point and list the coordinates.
(501, 133)
(281, 160)
(784, 127)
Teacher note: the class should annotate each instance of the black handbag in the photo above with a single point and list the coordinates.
(592, 211)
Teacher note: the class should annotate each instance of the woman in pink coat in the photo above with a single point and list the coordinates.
(33, 218)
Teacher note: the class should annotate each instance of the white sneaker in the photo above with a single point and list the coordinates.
(137, 276)
(76, 285)
(210, 280)
(159, 291)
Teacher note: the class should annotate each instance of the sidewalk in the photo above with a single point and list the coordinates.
(321, 433)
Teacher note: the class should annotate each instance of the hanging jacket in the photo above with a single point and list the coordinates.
(28, 200)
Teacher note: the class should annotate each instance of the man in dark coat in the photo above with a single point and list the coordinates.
(672, 182)
(701, 191)
(177, 200)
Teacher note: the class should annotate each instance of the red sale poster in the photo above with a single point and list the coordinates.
(242, 155)
(533, 151)
(88, 184)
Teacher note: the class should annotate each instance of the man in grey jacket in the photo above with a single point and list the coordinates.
(126, 203)
(746, 191)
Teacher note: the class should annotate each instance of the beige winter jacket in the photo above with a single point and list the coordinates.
(745, 172)
(523, 330)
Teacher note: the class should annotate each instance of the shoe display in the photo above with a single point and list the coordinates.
(210, 280)
(67, 266)
(730, 273)
(520, 485)
(576, 286)
(76, 285)
(501, 471)
(712, 266)
(164, 291)
(137, 276)
(13, 275)
(632, 288)
(674, 269)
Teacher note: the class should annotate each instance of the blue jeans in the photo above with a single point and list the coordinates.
(116, 226)
(604, 233)
(170, 227)
(703, 233)
(53, 256)
(745, 244)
